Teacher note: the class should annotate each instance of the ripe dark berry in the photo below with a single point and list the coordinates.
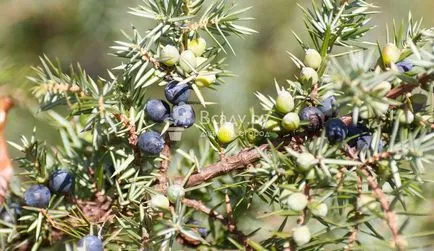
(176, 93)
(336, 131)
(151, 143)
(61, 181)
(157, 110)
(329, 107)
(10, 215)
(355, 132)
(183, 115)
(202, 231)
(90, 243)
(404, 66)
(314, 116)
(37, 196)
(364, 143)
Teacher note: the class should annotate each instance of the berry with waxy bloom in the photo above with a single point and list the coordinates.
(151, 143)
(314, 116)
(90, 243)
(169, 55)
(197, 46)
(312, 59)
(404, 66)
(291, 121)
(284, 102)
(309, 74)
(226, 133)
(157, 110)
(301, 235)
(365, 142)
(37, 196)
(177, 92)
(187, 61)
(159, 201)
(183, 115)
(175, 192)
(336, 131)
(329, 107)
(390, 54)
(202, 231)
(355, 132)
(297, 201)
(61, 181)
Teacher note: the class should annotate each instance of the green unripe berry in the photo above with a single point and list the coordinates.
(169, 55)
(390, 54)
(175, 192)
(301, 235)
(319, 209)
(306, 161)
(197, 46)
(309, 74)
(312, 59)
(159, 201)
(226, 133)
(272, 125)
(297, 201)
(291, 121)
(380, 108)
(406, 117)
(382, 88)
(187, 61)
(205, 80)
(284, 102)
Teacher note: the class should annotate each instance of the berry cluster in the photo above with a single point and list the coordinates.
(176, 92)
(60, 182)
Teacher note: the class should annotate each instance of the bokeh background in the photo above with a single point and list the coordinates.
(82, 30)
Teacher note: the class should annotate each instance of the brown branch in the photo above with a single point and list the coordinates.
(231, 223)
(199, 206)
(390, 216)
(239, 161)
(162, 178)
(132, 138)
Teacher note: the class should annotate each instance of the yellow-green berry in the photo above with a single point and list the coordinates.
(169, 55)
(175, 192)
(284, 102)
(382, 88)
(312, 59)
(309, 74)
(205, 80)
(226, 133)
(159, 201)
(390, 54)
(197, 46)
(319, 209)
(301, 235)
(306, 161)
(187, 61)
(297, 201)
(406, 117)
(291, 121)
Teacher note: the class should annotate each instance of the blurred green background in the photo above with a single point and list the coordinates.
(82, 30)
